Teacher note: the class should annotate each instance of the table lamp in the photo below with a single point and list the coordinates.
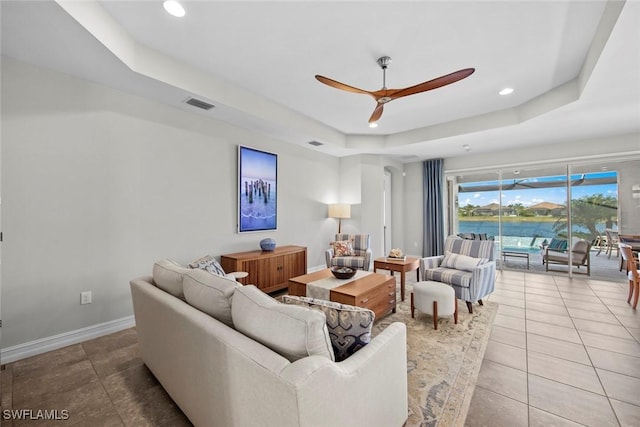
(339, 211)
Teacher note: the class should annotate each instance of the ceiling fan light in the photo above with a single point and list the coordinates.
(506, 91)
(373, 125)
(174, 8)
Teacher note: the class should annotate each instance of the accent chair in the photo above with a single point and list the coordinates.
(468, 266)
(339, 254)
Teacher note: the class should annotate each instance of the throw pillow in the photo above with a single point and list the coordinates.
(291, 331)
(167, 275)
(461, 262)
(558, 244)
(209, 264)
(210, 293)
(349, 326)
(343, 248)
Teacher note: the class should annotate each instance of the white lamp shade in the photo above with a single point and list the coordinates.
(339, 210)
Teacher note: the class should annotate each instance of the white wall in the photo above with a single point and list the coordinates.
(413, 206)
(98, 184)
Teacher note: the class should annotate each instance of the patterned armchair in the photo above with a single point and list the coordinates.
(361, 255)
(468, 266)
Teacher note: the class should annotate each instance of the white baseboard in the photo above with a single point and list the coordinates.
(316, 268)
(43, 345)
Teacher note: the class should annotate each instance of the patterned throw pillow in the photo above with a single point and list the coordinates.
(343, 248)
(349, 326)
(209, 264)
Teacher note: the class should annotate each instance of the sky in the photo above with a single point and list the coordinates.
(258, 164)
(530, 197)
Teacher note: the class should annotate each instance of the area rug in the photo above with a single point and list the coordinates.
(442, 364)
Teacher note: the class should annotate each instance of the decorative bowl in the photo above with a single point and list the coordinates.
(267, 244)
(343, 272)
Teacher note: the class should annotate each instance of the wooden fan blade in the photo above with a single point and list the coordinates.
(433, 84)
(342, 86)
(377, 113)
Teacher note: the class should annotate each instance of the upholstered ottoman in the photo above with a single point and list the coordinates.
(434, 298)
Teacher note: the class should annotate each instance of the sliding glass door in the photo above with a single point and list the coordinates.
(559, 218)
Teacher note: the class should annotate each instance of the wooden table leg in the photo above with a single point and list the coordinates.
(402, 275)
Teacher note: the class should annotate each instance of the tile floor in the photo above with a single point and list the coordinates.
(562, 353)
(102, 382)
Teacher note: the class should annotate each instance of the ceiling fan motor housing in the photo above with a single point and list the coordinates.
(384, 61)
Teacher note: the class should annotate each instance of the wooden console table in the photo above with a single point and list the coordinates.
(268, 270)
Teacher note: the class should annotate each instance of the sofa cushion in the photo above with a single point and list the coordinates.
(348, 261)
(291, 331)
(461, 262)
(209, 264)
(447, 275)
(349, 326)
(343, 248)
(167, 275)
(210, 293)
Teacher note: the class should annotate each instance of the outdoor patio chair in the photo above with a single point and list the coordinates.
(600, 242)
(580, 255)
(612, 241)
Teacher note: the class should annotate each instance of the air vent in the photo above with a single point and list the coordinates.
(200, 104)
(315, 143)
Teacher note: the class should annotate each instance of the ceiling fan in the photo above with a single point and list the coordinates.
(385, 95)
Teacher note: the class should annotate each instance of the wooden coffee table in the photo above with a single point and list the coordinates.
(374, 291)
(400, 265)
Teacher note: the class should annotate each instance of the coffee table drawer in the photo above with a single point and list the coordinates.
(379, 299)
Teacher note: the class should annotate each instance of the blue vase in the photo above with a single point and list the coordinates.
(267, 244)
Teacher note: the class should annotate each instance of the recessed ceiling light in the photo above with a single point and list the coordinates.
(373, 125)
(466, 147)
(506, 91)
(174, 8)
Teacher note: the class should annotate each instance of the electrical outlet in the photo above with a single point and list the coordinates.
(85, 297)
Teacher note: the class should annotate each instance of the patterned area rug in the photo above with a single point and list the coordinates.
(443, 364)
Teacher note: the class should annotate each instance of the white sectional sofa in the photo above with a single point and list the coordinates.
(220, 376)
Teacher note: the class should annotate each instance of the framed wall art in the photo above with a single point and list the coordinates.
(257, 190)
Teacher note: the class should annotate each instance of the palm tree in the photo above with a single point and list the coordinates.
(587, 211)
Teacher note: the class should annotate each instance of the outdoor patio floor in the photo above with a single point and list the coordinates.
(602, 266)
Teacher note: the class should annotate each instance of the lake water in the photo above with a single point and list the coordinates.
(258, 205)
(526, 236)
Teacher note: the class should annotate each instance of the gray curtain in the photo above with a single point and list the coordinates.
(433, 208)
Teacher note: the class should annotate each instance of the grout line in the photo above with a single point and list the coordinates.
(100, 380)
